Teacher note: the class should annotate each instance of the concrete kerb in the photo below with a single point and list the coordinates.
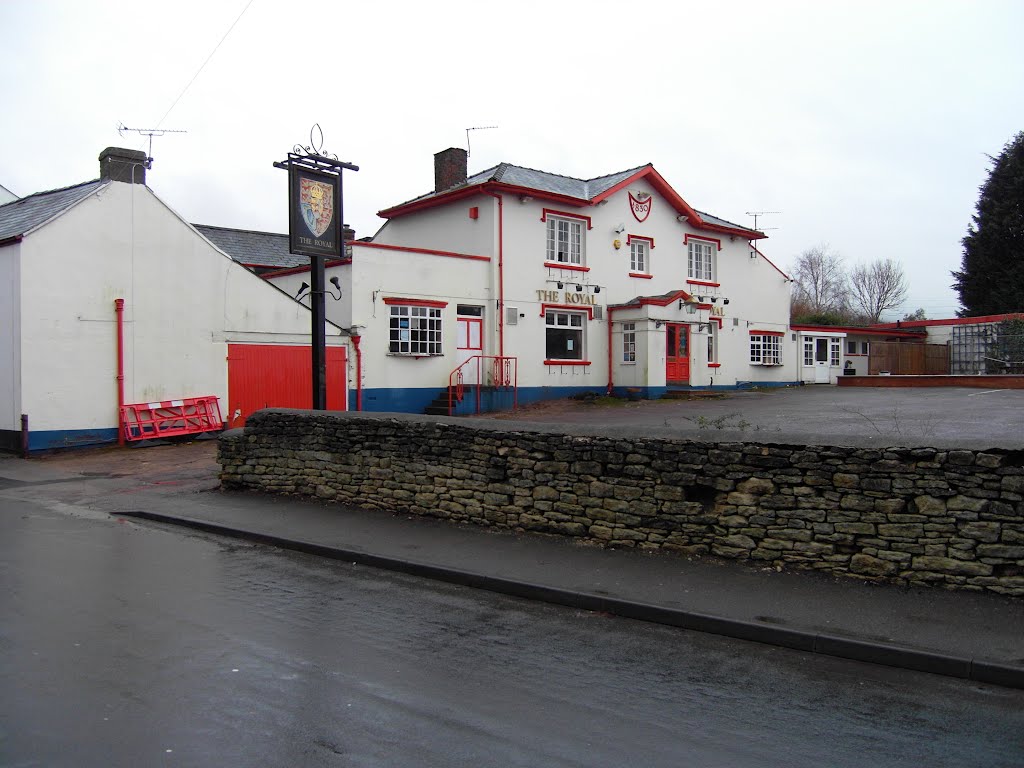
(978, 670)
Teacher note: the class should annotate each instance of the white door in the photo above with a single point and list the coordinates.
(822, 374)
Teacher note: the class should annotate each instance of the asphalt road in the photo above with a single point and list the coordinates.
(127, 645)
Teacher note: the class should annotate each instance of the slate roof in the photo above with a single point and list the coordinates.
(567, 186)
(265, 250)
(542, 181)
(21, 216)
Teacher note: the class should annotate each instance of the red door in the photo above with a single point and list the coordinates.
(677, 354)
(277, 376)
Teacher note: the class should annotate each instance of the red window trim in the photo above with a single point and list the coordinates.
(644, 275)
(714, 365)
(688, 237)
(559, 265)
(415, 302)
(752, 332)
(704, 282)
(644, 238)
(589, 309)
(566, 362)
(565, 214)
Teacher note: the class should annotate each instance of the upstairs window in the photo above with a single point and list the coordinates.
(701, 261)
(565, 241)
(639, 256)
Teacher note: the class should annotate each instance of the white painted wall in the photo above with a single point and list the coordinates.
(10, 332)
(758, 293)
(184, 301)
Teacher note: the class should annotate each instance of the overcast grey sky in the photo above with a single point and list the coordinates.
(866, 124)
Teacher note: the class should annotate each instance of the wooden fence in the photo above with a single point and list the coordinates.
(908, 359)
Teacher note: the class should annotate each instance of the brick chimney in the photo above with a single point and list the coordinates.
(127, 165)
(449, 168)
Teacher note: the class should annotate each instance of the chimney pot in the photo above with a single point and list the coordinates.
(450, 168)
(127, 165)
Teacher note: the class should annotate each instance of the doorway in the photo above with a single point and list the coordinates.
(677, 353)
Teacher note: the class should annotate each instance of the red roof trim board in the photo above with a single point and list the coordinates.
(643, 238)
(657, 301)
(299, 270)
(427, 251)
(855, 331)
(560, 265)
(552, 212)
(688, 237)
(572, 307)
(754, 332)
(952, 321)
(415, 302)
(771, 263)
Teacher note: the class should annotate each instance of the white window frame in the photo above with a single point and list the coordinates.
(629, 343)
(566, 241)
(700, 261)
(808, 352)
(712, 342)
(765, 349)
(640, 257)
(415, 331)
(566, 320)
(833, 353)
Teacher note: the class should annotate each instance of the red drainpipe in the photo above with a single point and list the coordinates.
(359, 372)
(610, 384)
(119, 311)
(501, 272)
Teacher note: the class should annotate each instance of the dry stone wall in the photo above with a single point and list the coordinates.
(953, 518)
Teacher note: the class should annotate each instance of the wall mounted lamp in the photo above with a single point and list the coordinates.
(579, 288)
(714, 299)
(305, 290)
(560, 284)
(725, 301)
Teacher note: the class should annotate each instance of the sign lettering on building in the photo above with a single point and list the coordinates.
(566, 297)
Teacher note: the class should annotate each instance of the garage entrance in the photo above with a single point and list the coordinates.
(279, 376)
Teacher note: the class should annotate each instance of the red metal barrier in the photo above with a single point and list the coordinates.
(188, 416)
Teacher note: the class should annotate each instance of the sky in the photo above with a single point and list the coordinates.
(866, 126)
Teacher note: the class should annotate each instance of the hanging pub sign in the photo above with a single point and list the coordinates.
(314, 218)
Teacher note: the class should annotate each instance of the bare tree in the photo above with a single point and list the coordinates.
(819, 280)
(876, 287)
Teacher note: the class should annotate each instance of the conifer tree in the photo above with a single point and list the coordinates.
(991, 276)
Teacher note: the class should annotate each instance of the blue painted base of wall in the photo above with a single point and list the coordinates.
(415, 400)
(51, 439)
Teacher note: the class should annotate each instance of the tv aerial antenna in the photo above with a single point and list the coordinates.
(477, 128)
(758, 214)
(122, 129)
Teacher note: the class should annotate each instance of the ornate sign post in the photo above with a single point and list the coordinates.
(315, 229)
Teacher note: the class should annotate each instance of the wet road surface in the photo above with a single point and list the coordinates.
(130, 645)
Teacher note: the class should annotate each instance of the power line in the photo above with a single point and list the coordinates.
(198, 71)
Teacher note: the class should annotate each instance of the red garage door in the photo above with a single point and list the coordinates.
(274, 376)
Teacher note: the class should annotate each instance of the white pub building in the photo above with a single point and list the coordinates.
(549, 286)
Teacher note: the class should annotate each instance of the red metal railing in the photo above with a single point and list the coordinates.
(190, 415)
(497, 372)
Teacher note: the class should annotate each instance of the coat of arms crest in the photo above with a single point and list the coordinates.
(316, 203)
(640, 205)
